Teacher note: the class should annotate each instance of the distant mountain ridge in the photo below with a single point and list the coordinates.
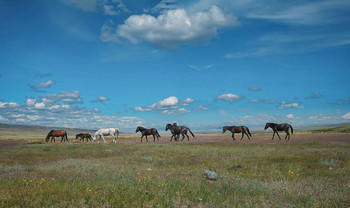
(24, 128)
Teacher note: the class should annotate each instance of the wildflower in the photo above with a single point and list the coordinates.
(43, 180)
(31, 181)
(186, 178)
(89, 190)
(52, 179)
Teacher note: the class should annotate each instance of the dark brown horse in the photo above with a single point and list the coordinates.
(82, 136)
(237, 129)
(145, 132)
(177, 130)
(57, 133)
(279, 127)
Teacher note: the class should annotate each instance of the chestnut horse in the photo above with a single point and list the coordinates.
(237, 129)
(145, 132)
(57, 133)
(82, 136)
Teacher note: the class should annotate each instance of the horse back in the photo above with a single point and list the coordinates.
(59, 133)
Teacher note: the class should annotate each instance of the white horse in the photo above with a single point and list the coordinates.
(114, 132)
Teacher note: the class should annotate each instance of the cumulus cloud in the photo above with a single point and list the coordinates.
(290, 116)
(47, 84)
(229, 97)
(285, 105)
(35, 112)
(66, 97)
(167, 106)
(170, 102)
(187, 101)
(346, 115)
(100, 99)
(171, 28)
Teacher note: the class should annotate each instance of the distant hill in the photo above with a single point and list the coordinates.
(14, 131)
(340, 129)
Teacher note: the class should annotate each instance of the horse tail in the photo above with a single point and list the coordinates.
(248, 131)
(291, 128)
(190, 132)
(117, 132)
(157, 133)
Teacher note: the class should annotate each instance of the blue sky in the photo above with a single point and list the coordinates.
(204, 64)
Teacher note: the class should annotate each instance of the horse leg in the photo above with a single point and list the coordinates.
(188, 138)
(233, 136)
(104, 139)
(154, 138)
(146, 137)
(247, 135)
(278, 135)
(273, 135)
(242, 135)
(287, 134)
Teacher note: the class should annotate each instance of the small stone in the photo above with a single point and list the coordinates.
(211, 175)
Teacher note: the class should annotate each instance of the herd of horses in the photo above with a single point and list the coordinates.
(175, 130)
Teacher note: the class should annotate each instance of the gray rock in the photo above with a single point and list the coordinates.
(211, 175)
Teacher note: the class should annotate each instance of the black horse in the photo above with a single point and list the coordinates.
(177, 130)
(145, 132)
(279, 127)
(82, 136)
(237, 129)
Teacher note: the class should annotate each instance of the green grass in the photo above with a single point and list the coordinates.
(342, 129)
(271, 174)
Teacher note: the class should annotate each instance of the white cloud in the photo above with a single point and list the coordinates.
(171, 28)
(176, 111)
(187, 101)
(100, 99)
(61, 115)
(169, 102)
(346, 115)
(285, 105)
(67, 97)
(47, 84)
(229, 97)
(263, 101)
(201, 107)
(167, 106)
(290, 116)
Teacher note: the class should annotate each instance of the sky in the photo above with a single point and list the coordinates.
(201, 63)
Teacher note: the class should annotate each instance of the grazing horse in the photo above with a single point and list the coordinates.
(177, 130)
(82, 136)
(279, 127)
(114, 132)
(57, 133)
(145, 132)
(237, 129)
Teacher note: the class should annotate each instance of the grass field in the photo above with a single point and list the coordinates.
(255, 173)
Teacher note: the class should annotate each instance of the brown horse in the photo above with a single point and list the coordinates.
(82, 136)
(145, 132)
(237, 129)
(57, 133)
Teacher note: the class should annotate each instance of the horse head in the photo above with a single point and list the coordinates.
(224, 129)
(49, 135)
(168, 126)
(267, 125)
(139, 128)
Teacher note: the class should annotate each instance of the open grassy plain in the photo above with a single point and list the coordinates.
(311, 170)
